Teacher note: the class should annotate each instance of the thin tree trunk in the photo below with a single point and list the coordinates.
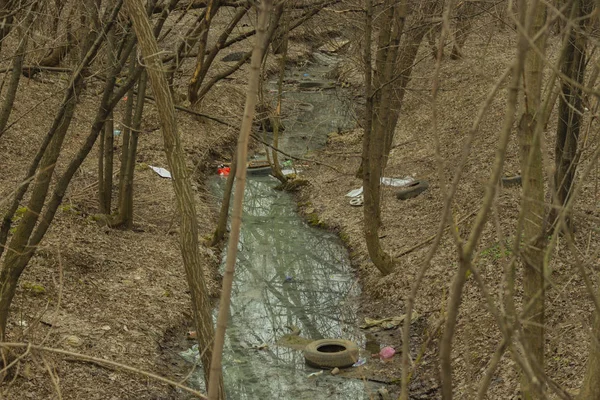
(260, 45)
(590, 389)
(17, 68)
(197, 76)
(107, 145)
(125, 217)
(21, 250)
(108, 156)
(570, 111)
(127, 129)
(283, 48)
(221, 228)
(7, 15)
(183, 189)
(371, 193)
(210, 58)
(533, 201)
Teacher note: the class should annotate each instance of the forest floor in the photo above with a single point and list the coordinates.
(114, 294)
(409, 225)
(119, 295)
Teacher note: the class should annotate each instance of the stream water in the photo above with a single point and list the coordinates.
(288, 274)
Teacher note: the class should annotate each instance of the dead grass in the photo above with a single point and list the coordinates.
(465, 84)
(122, 291)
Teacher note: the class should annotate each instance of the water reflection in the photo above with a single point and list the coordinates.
(289, 275)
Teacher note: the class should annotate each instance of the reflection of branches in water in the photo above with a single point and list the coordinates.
(307, 130)
(274, 243)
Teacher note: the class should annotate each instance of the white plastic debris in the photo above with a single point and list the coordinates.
(355, 192)
(315, 374)
(163, 173)
(289, 171)
(397, 182)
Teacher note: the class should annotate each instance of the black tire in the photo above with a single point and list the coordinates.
(259, 171)
(231, 57)
(509, 181)
(413, 190)
(331, 353)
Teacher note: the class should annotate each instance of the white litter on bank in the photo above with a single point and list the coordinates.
(395, 182)
(289, 171)
(163, 173)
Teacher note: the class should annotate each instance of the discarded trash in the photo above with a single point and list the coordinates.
(289, 278)
(224, 171)
(289, 171)
(355, 192)
(357, 201)
(163, 173)
(191, 335)
(397, 182)
(414, 189)
(335, 371)
(306, 75)
(361, 361)
(191, 353)
(387, 323)
(387, 353)
(116, 132)
(315, 374)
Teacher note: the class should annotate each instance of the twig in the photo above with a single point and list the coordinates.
(102, 361)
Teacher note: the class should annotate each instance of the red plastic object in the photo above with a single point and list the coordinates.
(224, 171)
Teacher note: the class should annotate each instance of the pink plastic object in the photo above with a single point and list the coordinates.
(387, 352)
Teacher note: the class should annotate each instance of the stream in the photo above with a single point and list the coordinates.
(289, 275)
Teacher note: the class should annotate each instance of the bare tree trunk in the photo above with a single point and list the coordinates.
(407, 55)
(183, 189)
(570, 110)
(196, 81)
(236, 222)
(464, 20)
(107, 175)
(590, 389)
(221, 228)
(21, 248)
(127, 128)
(106, 156)
(276, 119)
(17, 68)
(195, 93)
(532, 206)
(125, 217)
(7, 15)
(210, 58)
(378, 123)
